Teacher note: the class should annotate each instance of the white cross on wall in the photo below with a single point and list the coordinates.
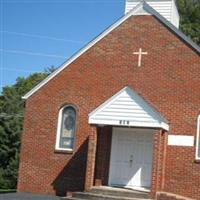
(140, 53)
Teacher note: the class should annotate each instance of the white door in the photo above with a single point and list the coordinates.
(131, 158)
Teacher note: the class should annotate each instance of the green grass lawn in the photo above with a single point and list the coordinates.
(2, 191)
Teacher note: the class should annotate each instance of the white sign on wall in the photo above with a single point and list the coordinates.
(181, 140)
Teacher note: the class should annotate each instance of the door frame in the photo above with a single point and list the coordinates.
(150, 131)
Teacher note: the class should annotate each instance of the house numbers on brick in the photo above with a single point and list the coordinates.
(140, 53)
(124, 122)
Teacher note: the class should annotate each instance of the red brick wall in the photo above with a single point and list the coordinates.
(168, 79)
(103, 155)
(91, 158)
(157, 164)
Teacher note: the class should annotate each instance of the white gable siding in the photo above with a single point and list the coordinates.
(175, 15)
(166, 8)
(126, 108)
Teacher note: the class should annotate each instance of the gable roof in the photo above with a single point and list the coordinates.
(127, 108)
(141, 9)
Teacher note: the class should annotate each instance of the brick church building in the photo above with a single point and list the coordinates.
(124, 111)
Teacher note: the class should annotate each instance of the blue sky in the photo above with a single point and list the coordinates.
(36, 34)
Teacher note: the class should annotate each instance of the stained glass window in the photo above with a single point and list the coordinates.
(67, 129)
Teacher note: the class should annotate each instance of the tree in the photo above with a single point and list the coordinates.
(11, 119)
(189, 11)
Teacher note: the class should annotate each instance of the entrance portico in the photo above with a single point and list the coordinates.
(124, 149)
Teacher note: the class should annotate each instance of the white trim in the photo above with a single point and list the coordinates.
(134, 11)
(163, 126)
(141, 11)
(181, 140)
(59, 130)
(197, 139)
(156, 119)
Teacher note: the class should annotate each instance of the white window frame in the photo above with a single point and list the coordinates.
(57, 146)
(197, 139)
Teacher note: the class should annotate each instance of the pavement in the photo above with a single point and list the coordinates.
(27, 196)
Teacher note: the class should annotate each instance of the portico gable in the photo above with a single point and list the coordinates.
(127, 108)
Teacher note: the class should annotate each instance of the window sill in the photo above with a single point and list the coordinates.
(63, 151)
(197, 160)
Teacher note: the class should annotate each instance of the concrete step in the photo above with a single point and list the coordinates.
(95, 196)
(120, 192)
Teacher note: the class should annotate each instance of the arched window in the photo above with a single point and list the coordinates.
(198, 139)
(66, 128)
